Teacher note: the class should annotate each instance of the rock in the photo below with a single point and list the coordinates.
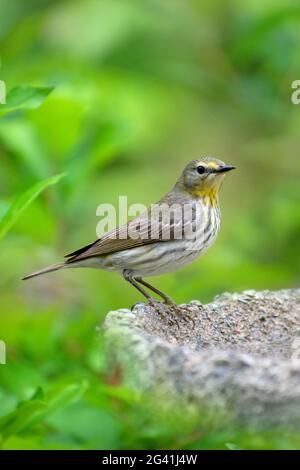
(238, 357)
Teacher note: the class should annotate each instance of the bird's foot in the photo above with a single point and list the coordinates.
(168, 312)
(186, 313)
(182, 310)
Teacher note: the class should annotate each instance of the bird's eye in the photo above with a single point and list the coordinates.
(201, 169)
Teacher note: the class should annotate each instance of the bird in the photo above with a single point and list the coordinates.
(170, 234)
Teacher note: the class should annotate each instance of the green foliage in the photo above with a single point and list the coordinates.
(38, 407)
(24, 97)
(22, 202)
(118, 96)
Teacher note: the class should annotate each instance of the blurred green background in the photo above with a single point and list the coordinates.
(119, 95)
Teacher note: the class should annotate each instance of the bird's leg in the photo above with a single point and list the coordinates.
(173, 306)
(166, 298)
(127, 274)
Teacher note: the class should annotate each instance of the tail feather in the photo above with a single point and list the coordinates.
(48, 269)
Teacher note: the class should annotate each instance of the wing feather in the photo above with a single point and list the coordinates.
(135, 233)
(142, 230)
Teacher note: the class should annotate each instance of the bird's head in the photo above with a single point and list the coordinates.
(203, 177)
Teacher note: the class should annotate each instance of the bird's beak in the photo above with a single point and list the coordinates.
(225, 168)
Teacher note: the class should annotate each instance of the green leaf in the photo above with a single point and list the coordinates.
(27, 413)
(35, 410)
(65, 394)
(23, 201)
(24, 97)
(20, 138)
(232, 446)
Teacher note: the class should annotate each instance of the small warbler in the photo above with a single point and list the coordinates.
(160, 240)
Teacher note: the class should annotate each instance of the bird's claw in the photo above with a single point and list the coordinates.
(171, 312)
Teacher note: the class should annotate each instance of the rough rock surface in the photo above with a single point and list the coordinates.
(238, 356)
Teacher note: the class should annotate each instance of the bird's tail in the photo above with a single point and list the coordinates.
(53, 267)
